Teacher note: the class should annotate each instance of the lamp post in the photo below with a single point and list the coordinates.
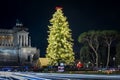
(114, 61)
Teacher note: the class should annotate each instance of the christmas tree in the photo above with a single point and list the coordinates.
(60, 46)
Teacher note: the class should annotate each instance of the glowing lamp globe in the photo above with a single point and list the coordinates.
(58, 7)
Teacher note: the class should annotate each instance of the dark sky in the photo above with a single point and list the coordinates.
(83, 15)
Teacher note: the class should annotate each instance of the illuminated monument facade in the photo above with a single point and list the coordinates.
(15, 47)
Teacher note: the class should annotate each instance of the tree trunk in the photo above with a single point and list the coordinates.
(96, 54)
(108, 56)
(96, 61)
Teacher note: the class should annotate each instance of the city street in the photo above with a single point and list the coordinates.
(53, 76)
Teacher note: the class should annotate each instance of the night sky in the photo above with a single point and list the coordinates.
(82, 15)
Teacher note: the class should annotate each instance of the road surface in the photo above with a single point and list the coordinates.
(53, 76)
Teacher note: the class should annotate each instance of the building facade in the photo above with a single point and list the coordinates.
(15, 47)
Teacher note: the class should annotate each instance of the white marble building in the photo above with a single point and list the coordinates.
(15, 47)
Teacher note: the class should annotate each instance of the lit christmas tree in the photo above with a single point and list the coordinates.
(60, 46)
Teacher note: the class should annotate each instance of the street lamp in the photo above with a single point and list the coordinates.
(114, 61)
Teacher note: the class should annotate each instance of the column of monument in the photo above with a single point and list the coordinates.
(18, 40)
(0, 41)
(3, 41)
(11, 41)
(23, 40)
(20, 36)
(29, 42)
(8, 40)
(26, 40)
